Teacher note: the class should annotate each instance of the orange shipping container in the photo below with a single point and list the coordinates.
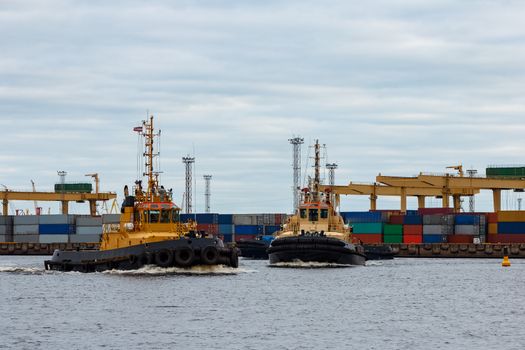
(492, 218)
(369, 238)
(411, 230)
(460, 239)
(510, 238)
(511, 216)
(413, 239)
(493, 229)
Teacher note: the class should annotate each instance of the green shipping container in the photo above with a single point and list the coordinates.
(369, 227)
(505, 172)
(74, 187)
(393, 239)
(391, 229)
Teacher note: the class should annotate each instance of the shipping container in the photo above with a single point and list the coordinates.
(356, 217)
(506, 238)
(394, 230)
(5, 238)
(26, 238)
(25, 220)
(367, 228)
(438, 219)
(472, 230)
(435, 211)
(432, 229)
(244, 219)
(89, 220)
(111, 218)
(25, 229)
(397, 219)
(411, 230)
(249, 229)
(460, 238)
(493, 229)
(511, 216)
(56, 219)
(225, 229)
(269, 230)
(56, 229)
(84, 238)
(469, 219)
(212, 229)
(74, 187)
(6, 220)
(88, 230)
(225, 219)
(393, 238)
(6, 230)
(53, 239)
(492, 218)
(412, 239)
(505, 171)
(369, 238)
(207, 218)
(413, 220)
(511, 228)
(434, 238)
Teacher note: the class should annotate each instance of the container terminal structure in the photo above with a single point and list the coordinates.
(425, 232)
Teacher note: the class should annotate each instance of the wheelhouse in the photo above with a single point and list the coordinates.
(157, 213)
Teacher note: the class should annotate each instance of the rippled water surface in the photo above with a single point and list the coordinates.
(398, 304)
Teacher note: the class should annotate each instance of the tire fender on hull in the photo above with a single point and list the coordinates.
(209, 255)
(184, 256)
(164, 258)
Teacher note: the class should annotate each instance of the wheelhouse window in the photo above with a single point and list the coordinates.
(324, 213)
(313, 214)
(175, 216)
(302, 213)
(165, 216)
(154, 216)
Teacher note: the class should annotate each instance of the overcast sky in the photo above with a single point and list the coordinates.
(391, 87)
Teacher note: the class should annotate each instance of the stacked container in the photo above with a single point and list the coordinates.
(6, 228)
(437, 227)
(88, 229)
(25, 229)
(393, 233)
(510, 227)
(55, 228)
(467, 227)
(413, 229)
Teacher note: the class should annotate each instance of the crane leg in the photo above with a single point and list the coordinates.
(65, 207)
(5, 205)
(497, 200)
(421, 202)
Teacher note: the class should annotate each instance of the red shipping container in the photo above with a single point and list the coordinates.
(369, 238)
(397, 219)
(492, 218)
(460, 238)
(212, 229)
(432, 211)
(413, 239)
(244, 237)
(411, 230)
(506, 238)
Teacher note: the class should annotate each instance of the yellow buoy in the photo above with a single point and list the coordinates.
(505, 262)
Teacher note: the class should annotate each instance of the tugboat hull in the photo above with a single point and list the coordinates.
(181, 253)
(318, 249)
(253, 249)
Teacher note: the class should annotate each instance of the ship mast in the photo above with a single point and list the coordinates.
(317, 178)
(149, 137)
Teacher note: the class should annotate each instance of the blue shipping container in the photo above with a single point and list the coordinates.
(268, 230)
(228, 238)
(200, 218)
(362, 216)
(249, 229)
(434, 239)
(511, 227)
(413, 220)
(412, 212)
(467, 220)
(225, 219)
(225, 229)
(56, 229)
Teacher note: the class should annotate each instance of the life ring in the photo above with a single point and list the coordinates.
(209, 255)
(164, 258)
(184, 256)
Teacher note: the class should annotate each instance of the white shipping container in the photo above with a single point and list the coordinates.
(4, 238)
(26, 238)
(89, 230)
(6, 220)
(60, 219)
(6, 230)
(467, 230)
(432, 230)
(53, 239)
(111, 218)
(25, 220)
(89, 220)
(84, 238)
(244, 219)
(25, 229)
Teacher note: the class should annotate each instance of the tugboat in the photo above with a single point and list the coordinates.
(316, 233)
(150, 231)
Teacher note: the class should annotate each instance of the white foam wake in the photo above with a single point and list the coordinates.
(307, 264)
(22, 270)
(153, 270)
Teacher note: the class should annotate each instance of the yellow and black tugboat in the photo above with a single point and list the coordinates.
(150, 232)
(316, 233)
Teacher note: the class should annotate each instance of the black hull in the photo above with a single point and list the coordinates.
(378, 252)
(253, 249)
(180, 253)
(315, 249)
